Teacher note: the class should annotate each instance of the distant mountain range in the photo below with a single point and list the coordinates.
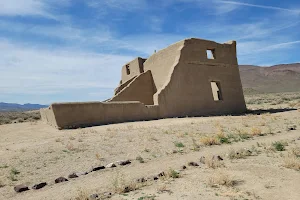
(277, 78)
(19, 107)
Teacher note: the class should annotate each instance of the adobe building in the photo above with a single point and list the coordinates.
(193, 77)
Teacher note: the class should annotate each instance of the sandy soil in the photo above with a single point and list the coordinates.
(41, 153)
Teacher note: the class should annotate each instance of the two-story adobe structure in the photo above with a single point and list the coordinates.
(193, 77)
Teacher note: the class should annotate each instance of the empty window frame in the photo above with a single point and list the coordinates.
(216, 90)
(211, 54)
(127, 70)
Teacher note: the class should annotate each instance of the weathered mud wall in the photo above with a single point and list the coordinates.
(176, 81)
(72, 115)
(189, 92)
(162, 63)
(132, 69)
(140, 89)
(48, 116)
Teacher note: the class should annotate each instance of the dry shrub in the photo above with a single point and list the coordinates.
(72, 138)
(173, 173)
(208, 141)
(256, 131)
(213, 163)
(238, 154)
(70, 147)
(1, 184)
(295, 151)
(221, 178)
(292, 162)
(120, 185)
(82, 195)
(99, 157)
(19, 116)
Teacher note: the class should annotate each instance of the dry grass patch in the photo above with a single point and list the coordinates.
(210, 140)
(19, 117)
(255, 131)
(173, 173)
(81, 195)
(1, 184)
(241, 153)
(292, 162)
(221, 178)
(213, 163)
(120, 185)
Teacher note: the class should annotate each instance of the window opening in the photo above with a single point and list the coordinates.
(127, 69)
(210, 54)
(216, 91)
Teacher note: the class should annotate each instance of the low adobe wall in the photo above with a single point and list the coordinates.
(73, 115)
(47, 115)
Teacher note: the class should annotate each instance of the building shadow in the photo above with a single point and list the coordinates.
(272, 110)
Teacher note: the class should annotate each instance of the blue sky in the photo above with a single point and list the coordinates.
(73, 50)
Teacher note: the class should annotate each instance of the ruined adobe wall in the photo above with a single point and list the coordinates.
(161, 63)
(135, 68)
(47, 115)
(189, 90)
(139, 89)
(73, 115)
(121, 86)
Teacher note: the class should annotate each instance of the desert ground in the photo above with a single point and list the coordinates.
(251, 156)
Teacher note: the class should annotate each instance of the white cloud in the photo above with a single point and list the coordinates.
(128, 5)
(28, 70)
(31, 7)
(295, 11)
(66, 32)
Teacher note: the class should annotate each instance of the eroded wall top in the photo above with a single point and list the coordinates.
(132, 69)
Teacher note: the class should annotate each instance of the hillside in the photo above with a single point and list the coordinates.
(278, 78)
(18, 107)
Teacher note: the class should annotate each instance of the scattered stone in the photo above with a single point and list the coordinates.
(81, 173)
(193, 164)
(183, 167)
(161, 174)
(154, 178)
(21, 188)
(73, 175)
(141, 180)
(291, 128)
(127, 189)
(202, 160)
(298, 138)
(106, 195)
(39, 186)
(217, 157)
(61, 179)
(124, 162)
(111, 165)
(94, 196)
(98, 168)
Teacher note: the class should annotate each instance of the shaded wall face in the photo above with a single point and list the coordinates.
(132, 69)
(139, 89)
(190, 90)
